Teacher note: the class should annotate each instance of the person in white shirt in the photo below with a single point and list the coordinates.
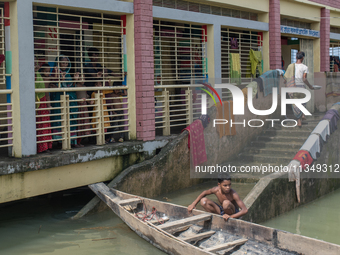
(296, 76)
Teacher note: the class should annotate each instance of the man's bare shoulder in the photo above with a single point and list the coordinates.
(214, 190)
(234, 194)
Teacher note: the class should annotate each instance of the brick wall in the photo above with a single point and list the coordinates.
(274, 34)
(145, 106)
(324, 40)
(331, 3)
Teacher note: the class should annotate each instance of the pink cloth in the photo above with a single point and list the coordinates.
(196, 143)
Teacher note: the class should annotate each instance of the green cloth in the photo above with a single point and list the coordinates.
(253, 85)
(235, 68)
(255, 58)
(39, 84)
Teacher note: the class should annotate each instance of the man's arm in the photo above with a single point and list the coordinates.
(306, 81)
(202, 195)
(241, 205)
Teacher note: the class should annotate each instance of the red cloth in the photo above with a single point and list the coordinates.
(198, 154)
(2, 58)
(42, 116)
(304, 158)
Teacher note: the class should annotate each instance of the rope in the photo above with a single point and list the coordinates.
(144, 216)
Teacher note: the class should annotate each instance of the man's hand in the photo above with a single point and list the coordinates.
(191, 207)
(226, 217)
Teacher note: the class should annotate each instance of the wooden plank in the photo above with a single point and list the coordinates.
(160, 219)
(180, 229)
(198, 236)
(167, 234)
(129, 201)
(185, 222)
(226, 245)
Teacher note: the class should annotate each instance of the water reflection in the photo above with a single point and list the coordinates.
(42, 225)
(319, 219)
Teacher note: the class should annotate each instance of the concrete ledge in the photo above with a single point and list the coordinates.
(274, 195)
(81, 155)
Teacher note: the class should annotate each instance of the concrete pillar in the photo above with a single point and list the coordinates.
(324, 40)
(144, 70)
(265, 47)
(274, 34)
(214, 57)
(131, 79)
(23, 98)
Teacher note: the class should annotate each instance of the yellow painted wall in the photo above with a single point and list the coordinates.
(300, 10)
(15, 80)
(316, 48)
(39, 182)
(335, 18)
(130, 78)
(255, 5)
(265, 49)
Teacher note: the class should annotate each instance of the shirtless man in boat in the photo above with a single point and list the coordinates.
(228, 198)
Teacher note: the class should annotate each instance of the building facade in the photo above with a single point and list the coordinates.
(155, 50)
(102, 70)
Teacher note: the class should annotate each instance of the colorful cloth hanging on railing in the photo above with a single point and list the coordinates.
(235, 68)
(225, 112)
(196, 143)
(333, 116)
(304, 158)
(312, 145)
(255, 58)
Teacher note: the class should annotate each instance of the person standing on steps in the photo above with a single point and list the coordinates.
(296, 76)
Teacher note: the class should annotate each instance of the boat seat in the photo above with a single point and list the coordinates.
(129, 201)
(160, 220)
(226, 245)
(198, 236)
(184, 222)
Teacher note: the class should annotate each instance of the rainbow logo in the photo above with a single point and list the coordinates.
(208, 92)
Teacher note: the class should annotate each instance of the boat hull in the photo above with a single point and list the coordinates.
(267, 240)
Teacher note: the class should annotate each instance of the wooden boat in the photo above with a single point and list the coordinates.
(170, 228)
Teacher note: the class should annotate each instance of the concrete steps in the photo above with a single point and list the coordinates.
(268, 159)
(275, 146)
(282, 138)
(285, 132)
(275, 151)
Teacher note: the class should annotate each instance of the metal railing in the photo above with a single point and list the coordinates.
(240, 43)
(67, 42)
(180, 53)
(6, 125)
(173, 112)
(104, 115)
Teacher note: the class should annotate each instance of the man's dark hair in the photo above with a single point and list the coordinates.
(224, 178)
(300, 55)
(92, 51)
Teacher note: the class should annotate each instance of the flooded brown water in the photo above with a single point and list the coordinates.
(319, 219)
(42, 225)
